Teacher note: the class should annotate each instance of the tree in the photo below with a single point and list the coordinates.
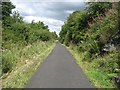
(54, 35)
(6, 11)
(75, 24)
(16, 17)
(96, 9)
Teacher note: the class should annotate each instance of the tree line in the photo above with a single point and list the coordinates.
(96, 33)
(16, 32)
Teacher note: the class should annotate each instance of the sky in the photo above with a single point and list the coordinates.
(52, 13)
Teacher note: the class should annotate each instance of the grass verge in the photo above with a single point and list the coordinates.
(98, 77)
(29, 58)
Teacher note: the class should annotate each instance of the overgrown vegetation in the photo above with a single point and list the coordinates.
(22, 41)
(95, 33)
(30, 57)
(0, 51)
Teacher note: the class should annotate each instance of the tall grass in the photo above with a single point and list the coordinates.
(23, 62)
(99, 69)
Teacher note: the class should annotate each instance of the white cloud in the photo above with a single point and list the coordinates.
(48, 0)
(53, 24)
(49, 21)
(24, 8)
(69, 11)
(52, 12)
(54, 28)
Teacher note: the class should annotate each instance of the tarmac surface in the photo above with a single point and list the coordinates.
(59, 70)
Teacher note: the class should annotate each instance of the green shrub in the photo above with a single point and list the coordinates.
(87, 56)
(8, 61)
(108, 63)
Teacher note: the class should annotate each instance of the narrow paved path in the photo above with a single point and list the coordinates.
(59, 71)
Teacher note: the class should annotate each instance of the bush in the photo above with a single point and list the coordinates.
(108, 63)
(21, 30)
(45, 35)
